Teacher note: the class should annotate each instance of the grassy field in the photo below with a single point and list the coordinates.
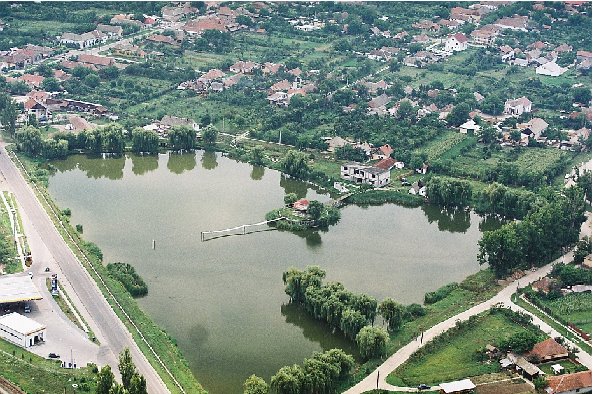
(34, 374)
(11, 265)
(575, 308)
(456, 357)
(444, 143)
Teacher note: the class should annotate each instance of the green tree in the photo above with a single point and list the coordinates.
(105, 380)
(182, 138)
(315, 209)
(51, 85)
(255, 385)
(8, 116)
(488, 134)
(92, 80)
(295, 164)
(257, 155)
(520, 342)
(405, 110)
(144, 141)
(209, 135)
(137, 384)
(126, 368)
(583, 249)
(458, 115)
(392, 312)
(351, 322)
(492, 105)
(29, 140)
(372, 342)
(288, 380)
(290, 198)
(118, 389)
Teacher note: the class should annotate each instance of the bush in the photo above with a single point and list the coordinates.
(433, 296)
(127, 275)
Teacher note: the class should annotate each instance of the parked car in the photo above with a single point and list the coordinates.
(53, 355)
(27, 308)
(423, 387)
(30, 274)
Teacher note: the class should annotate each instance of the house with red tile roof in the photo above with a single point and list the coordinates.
(32, 80)
(515, 22)
(97, 61)
(548, 350)
(39, 110)
(579, 382)
(456, 43)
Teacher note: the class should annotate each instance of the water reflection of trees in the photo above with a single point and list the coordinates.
(180, 162)
(67, 164)
(316, 331)
(110, 168)
(291, 185)
(490, 223)
(143, 164)
(448, 219)
(257, 173)
(209, 160)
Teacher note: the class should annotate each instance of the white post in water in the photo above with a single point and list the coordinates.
(153, 244)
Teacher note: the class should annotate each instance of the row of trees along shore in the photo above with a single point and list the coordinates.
(109, 139)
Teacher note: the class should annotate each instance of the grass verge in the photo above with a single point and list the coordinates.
(34, 374)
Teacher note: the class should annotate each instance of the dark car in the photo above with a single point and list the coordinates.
(423, 387)
(53, 355)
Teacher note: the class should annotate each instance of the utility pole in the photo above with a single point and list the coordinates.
(280, 136)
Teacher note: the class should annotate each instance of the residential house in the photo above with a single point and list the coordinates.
(456, 43)
(37, 109)
(279, 98)
(465, 15)
(426, 25)
(336, 142)
(478, 97)
(534, 128)
(515, 22)
(84, 40)
(243, 67)
(169, 121)
(211, 75)
(61, 75)
(232, 80)
(281, 86)
(571, 383)
(97, 61)
(271, 68)
(379, 101)
(128, 49)
(548, 350)
(421, 38)
(198, 26)
(485, 35)
(362, 174)
(469, 127)
(564, 48)
(33, 81)
(161, 39)
(518, 106)
(110, 31)
(386, 164)
(450, 24)
(174, 14)
(301, 205)
(458, 387)
(126, 19)
(519, 62)
(543, 285)
(373, 87)
(507, 53)
(583, 55)
(78, 124)
(383, 152)
(418, 188)
(521, 365)
(551, 69)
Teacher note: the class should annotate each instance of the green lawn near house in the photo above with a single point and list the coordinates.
(456, 358)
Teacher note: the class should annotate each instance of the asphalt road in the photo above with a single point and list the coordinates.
(108, 328)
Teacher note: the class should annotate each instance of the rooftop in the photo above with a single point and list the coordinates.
(18, 287)
(20, 323)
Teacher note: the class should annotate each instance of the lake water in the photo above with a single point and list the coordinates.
(223, 300)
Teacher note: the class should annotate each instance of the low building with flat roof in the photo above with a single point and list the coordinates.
(17, 288)
(457, 387)
(21, 330)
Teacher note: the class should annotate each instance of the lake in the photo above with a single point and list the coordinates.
(223, 299)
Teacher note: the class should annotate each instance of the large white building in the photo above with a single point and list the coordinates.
(456, 43)
(21, 330)
(359, 173)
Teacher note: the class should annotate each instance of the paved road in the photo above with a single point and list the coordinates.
(503, 297)
(84, 292)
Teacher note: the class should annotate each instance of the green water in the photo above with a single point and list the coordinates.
(223, 299)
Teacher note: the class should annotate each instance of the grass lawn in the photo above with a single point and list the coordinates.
(570, 367)
(455, 358)
(11, 264)
(35, 374)
(444, 143)
(575, 308)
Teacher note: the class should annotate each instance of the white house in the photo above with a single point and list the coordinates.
(456, 43)
(418, 188)
(518, 106)
(83, 40)
(21, 330)
(469, 126)
(360, 173)
(551, 69)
